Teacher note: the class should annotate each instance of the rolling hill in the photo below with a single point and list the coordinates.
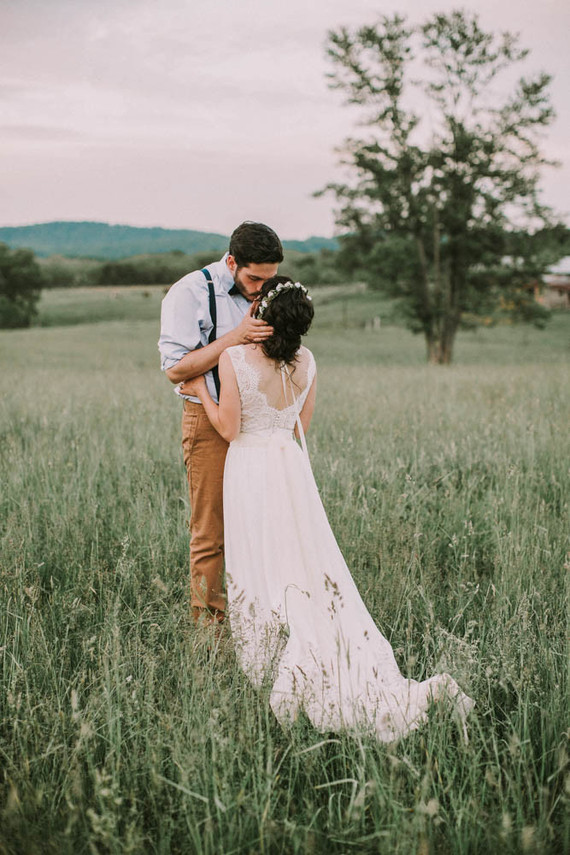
(101, 240)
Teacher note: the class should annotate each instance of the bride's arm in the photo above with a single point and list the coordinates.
(306, 413)
(227, 416)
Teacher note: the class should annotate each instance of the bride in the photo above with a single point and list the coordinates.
(296, 616)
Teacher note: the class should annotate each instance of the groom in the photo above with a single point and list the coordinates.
(204, 313)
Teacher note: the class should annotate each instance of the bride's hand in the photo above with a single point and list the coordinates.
(195, 387)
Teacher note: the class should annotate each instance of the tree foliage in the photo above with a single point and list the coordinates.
(20, 287)
(312, 268)
(447, 173)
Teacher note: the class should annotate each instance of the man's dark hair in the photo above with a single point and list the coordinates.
(255, 243)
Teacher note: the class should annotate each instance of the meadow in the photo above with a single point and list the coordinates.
(122, 731)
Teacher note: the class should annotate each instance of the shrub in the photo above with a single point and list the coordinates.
(20, 287)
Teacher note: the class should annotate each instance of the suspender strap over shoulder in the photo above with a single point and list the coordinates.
(214, 318)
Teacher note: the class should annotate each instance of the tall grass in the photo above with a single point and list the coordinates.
(122, 729)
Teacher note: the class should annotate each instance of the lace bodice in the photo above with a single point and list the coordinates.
(266, 403)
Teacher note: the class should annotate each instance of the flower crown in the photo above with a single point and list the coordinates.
(283, 286)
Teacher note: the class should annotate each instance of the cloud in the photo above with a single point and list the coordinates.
(38, 133)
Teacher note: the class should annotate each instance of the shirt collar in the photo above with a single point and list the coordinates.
(226, 278)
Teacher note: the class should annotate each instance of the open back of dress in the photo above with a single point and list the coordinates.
(296, 616)
(270, 392)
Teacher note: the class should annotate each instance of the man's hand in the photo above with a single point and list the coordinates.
(196, 362)
(251, 330)
(195, 387)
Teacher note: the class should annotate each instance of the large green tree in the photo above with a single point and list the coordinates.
(447, 170)
(20, 287)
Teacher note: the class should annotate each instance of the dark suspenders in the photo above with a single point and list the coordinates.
(214, 317)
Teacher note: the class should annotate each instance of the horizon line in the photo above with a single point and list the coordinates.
(164, 228)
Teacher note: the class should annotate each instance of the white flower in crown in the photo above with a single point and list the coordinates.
(283, 286)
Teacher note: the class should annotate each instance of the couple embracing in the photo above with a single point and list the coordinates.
(231, 341)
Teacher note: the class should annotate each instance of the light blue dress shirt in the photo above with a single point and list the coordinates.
(185, 321)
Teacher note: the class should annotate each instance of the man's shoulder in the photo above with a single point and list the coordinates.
(196, 279)
(191, 280)
(191, 283)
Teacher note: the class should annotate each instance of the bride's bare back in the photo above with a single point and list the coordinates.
(271, 394)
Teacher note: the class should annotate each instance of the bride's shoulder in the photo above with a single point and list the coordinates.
(306, 355)
(235, 352)
(235, 348)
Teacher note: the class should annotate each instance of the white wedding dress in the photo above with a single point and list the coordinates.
(296, 616)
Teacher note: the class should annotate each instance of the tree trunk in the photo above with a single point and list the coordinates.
(440, 314)
(440, 347)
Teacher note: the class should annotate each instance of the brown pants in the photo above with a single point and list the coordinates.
(204, 456)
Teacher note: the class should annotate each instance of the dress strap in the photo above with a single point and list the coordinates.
(285, 371)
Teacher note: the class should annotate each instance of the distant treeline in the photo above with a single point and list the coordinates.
(312, 268)
(321, 267)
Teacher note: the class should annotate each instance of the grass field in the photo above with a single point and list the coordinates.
(70, 306)
(448, 492)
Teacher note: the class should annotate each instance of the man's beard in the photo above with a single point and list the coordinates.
(241, 288)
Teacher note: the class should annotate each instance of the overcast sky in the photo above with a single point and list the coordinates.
(202, 113)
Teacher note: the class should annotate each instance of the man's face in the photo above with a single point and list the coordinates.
(249, 279)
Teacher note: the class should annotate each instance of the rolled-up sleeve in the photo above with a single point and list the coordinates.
(181, 321)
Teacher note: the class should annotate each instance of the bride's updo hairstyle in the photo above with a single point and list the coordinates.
(289, 311)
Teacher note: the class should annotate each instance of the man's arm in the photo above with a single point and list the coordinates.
(198, 361)
(225, 417)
